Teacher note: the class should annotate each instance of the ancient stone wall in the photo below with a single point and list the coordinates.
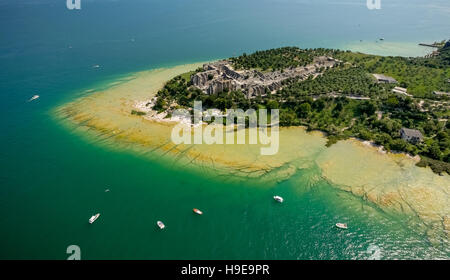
(220, 76)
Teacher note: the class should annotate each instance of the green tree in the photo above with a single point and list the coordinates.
(304, 110)
(392, 102)
(434, 151)
(272, 104)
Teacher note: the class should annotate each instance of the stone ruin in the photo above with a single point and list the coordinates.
(220, 76)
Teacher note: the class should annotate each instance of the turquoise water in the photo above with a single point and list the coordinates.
(52, 181)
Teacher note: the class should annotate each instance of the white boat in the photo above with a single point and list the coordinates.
(34, 97)
(278, 199)
(342, 226)
(96, 66)
(93, 218)
(160, 224)
(196, 211)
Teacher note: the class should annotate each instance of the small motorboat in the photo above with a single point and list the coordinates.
(34, 97)
(278, 199)
(94, 218)
(196, 211)
(96, 66)
(107, 190)
(342, 226)
(160, 224)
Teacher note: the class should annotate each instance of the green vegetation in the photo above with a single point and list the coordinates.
(420, 75)
(343, 80)
(138, 113)
(436, 165)
(276, 59)
(345, 101)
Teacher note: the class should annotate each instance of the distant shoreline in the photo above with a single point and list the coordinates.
(389, 48)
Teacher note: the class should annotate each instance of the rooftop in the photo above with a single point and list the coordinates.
(400, 89)
(412, 132)
(441, 93)
(384, 79)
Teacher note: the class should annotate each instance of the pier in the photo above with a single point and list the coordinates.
(434, 45)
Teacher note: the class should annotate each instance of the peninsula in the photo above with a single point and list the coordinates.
(328, 90)
(401, 104)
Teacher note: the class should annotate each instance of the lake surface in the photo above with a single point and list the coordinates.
(52, 180)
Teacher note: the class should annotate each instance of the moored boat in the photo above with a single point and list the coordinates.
(342, 226)
(278, 199)
(196, 211)
(160, 224)
(94, 218)
(34, 97)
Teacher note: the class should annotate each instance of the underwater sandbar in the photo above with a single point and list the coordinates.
(392, 182)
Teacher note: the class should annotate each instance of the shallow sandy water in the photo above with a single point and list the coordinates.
(390, 181)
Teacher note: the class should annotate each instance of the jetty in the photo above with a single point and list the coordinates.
(434, 45)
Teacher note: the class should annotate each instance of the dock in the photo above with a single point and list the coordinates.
(430, 45)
